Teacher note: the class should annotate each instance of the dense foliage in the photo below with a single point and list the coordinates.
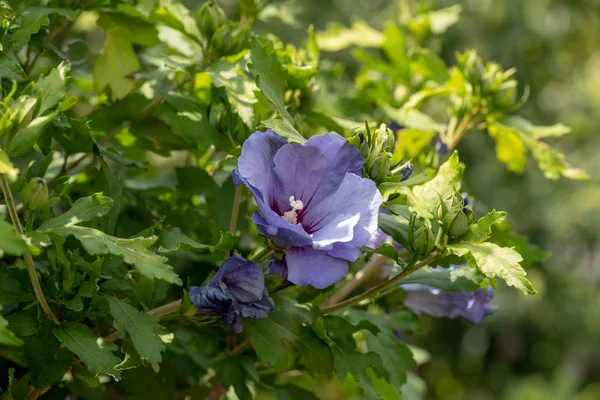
(135, 162)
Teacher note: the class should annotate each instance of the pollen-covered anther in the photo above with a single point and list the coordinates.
(292, 216)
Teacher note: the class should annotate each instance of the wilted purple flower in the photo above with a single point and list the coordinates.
(473, 306)
(237, 290)
(313, 201)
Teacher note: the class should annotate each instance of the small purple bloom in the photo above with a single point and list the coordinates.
(406, 171)
(441, 148)
(313, 202)
(237, 290)
(473, 306)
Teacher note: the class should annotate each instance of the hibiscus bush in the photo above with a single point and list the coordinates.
(195, 210)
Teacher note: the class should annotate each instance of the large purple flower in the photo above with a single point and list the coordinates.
(237, 290)
(313, 201)
(473, 306)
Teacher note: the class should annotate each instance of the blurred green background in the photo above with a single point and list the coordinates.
(545, 346)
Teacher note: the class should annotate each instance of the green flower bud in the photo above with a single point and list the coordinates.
(470, 215)
(420, 237)
(451, 205)
(459, 225)
(23, 108)
(35, 194)
(210, 17)
(380, 168)
(221, 40)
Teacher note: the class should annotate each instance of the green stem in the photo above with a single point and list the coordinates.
(235, 213)
(375, 291)
(29, 218)
(10, 203)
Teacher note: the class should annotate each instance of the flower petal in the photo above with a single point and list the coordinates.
(355, 196)
(307, 266)
(243, 280)
(289, 236)
(473, 306)
(209, 299)
(345, 251)
(314, 169)
(258, 309)
(255, 164)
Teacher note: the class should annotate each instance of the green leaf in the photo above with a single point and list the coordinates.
(114, 64)
(394, 46)
(395, 356)
(53, 87)
(32, 19)
(448, 178)
(284, 129)
(289, 324)
(134, 251)
(10, 68)
(510, 149)
(338, 37)
(11, 242)
(411, 143)
(348, 361)
(25, 138)
(195, 180)
(553, 163)
(535, 131)
(11, 290)
(7, 337)
(426, 63)
(175, 240)
(269, 75)
(481, 230)
(396, 226)
(494, 260)
(414, 119)
(442, 19)
(464, 279)
(47, 359)
(194, 128)
(7, 168)
(292, 392)
(84, 209)
(111, 183)
(24, 323)
(95, 352)
(141, 328)
(239, 89)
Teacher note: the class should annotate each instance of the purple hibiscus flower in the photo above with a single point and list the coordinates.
(313, 201)
(472, 306)
(237, 290)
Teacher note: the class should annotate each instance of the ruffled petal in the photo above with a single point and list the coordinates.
(314, 169)
(241, 279)
(258, 309)
(255, 165)
(209, 299)
(345, 251)
(307, 266)
(356, 199)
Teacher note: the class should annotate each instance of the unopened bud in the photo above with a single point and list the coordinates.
(35, 194)
(406, 171)
(459, 225)
(210, 17)
(420, 237)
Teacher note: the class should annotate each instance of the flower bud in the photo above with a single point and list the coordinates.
(450, 206)
(360, 141)
(459, 225)
(210, 17)
(380, 168)
(221, 40)
(35, 194)
(420, 237)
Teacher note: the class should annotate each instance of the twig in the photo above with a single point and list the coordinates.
(375, 291)
(361, 276)
(39, 294)
(235, 213)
